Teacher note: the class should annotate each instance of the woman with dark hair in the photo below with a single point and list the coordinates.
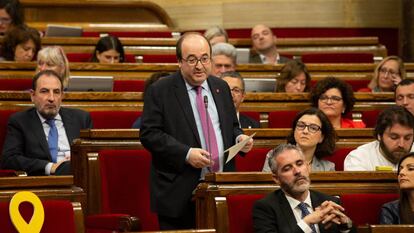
(294, 78)
(11, 14)
(21, 44)
(314, 134)
(109, 49)
(335, 98)
(401, 211)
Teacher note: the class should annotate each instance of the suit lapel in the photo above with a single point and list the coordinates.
(288, 215)
(184, 101)
(39, 132)
(67, 120)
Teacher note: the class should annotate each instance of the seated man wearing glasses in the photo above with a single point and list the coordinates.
(236, 84)
(188, 121)
(394, 133)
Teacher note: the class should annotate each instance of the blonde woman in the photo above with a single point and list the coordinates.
(54, 58)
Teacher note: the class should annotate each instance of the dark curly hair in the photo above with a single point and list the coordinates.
(331, 82)
(19, 35)
(393, 115)
(327, 146)
(14, 9)
(289, 71)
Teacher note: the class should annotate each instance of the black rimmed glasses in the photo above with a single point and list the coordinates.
(237, 90)
(334, 98)
(193, 60)
(313, 128)
(386, 71)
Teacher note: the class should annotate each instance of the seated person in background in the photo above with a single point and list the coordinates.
(224, 58)
(264, 44)
(401, 211)
(294, 78)
(336, 99)
(394, 133)
(388, 73)
(216, 34)
(54, 58)
(11, 14)
(109, 49)
(21, 44)
(294, 207)
(314, 134)
(152, 79)
(404, 94)
(236, 84)
(38, 139)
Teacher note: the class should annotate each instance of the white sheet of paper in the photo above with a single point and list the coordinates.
(237, 147)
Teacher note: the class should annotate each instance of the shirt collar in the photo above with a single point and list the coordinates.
(294, 202)
(189, 87)
(42, 119)
(263, 58)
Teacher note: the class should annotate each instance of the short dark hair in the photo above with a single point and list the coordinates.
(289, 71)
(234, 74)
(277, 151)
(46, 73)
(327, 146)
(14, 9)
(107, 43)
(18, 35)
(153, 78)
(332, 82)
(393, 115)
(178, 47)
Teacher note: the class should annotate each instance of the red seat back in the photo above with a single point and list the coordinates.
(281, 119)
(369, 117)
(15, 84)
(129, 85)
(114, 119)
(240, 212)
(159, 58)
(338, 58)
(254, 115)
(4, 119)
(364, 208)
(141, 34)
(125, 185)
(338, 157)
(86, 57)
(59, 216)
(252, 161)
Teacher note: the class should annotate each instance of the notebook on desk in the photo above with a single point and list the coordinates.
(260, 85)
(90, 83)
(63, 31)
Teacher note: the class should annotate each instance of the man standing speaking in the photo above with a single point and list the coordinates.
(188, 121)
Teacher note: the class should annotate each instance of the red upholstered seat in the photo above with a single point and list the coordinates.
(253, 115)
(159, 58)
(281, 119)
(129, 85)
(114, 119)
(370, 117)
(338, 157)
(86, 57)
(125, 185)
(338, 58)
(141, 34)
(4, 118)
(59, 216)
(252, 161)
(364, 208)
(240, 212)
(355, 84)
(15, 84)
(7, 173)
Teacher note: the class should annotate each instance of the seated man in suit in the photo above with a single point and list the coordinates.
(224, 58)
(237, 87)
(264, 44)
(38, 139)
(293, 207)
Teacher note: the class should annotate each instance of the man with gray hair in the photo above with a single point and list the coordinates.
(224, 57)
(293, 207)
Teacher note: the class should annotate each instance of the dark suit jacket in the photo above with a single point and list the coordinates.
(273, 213)
(390, 213)
(168, 131)
(255, 58)
(247, 122)
(25, 147)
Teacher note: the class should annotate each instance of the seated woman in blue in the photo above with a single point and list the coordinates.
(401, 211)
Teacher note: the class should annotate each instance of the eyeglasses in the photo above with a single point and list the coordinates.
(334, 98)
(313, 128)
(384, 71)
(5, 20)
(237, 90)
(193, 60)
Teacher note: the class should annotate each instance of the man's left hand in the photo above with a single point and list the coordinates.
(249, 144)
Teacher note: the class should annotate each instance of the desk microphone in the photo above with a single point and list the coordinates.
(208, 130)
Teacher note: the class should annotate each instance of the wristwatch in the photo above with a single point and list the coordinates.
(345, 226)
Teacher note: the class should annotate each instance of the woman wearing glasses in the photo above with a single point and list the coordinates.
(335, 98)
(401, 211)
(387, 75)
(313, 133)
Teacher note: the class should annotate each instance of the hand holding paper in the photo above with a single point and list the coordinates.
(239, 146)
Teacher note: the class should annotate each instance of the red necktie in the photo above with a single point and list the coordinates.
(208, 130)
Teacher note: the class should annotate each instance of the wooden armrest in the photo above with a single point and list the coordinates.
(116, 222)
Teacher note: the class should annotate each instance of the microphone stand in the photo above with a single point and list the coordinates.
(208, 130)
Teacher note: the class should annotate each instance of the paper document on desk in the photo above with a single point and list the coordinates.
(236, 148)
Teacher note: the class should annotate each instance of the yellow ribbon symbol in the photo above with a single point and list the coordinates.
(38, 217)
